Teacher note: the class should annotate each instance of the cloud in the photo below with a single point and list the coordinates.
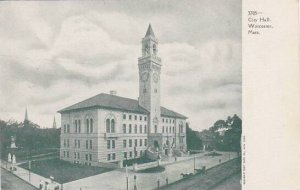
(60, 53)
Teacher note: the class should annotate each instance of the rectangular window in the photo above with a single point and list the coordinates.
(130, 142)
(155, 128)
(75, 155)
(113, 144)
(65, 128)
(64, 142)
(145, 142)
(141, 142)
(108, 144)
(141, 153)
(91, 144)
(145, 129)
(68, 126)
(130, 154)
(91, 125)
(130, 128)
(75, 126)
(135, 129)
(145, 118)
(86, 157)
(79, 126)
(124, 128)
(64, 153)
(78, 143)
(78, 155)
(124, 116)
(163, 120)
(75, 143)
(90, 157)
(108, 157)
(135, 117)
(129, 117)
(124, 143)
(135, 153)
(87, 144)
(113, 156)
(141, 118)
(141, 129)
(135, 142)
(163, 129)
(68, 143)
(87, 125)
(68, 154)
(125, 155)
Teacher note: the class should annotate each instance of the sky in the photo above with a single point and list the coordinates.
(56, 53)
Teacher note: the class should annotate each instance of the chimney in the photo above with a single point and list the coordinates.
(113, 92)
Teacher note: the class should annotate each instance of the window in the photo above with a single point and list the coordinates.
(68, 128)
(86, 144)
(173, 120)
(141, 118)
(75, 155)
(91, 125)
(75, 126)
(170, 129)
(145, 142)
(91, 143)
(113, 145)
(130, 154)
(135, 142)
(163, 120)
(113, 156)
(166, 120)
(112, 127)
(124, 128)
(145, 118)
(166, 129)
(130, 128)
(68, 143)
(155, 128)
(125, 155)
(79, 126)
(87, 126)
(64, 142)
(135, 129)
(75, 143)
(141, 142)
(173, 129)
(108, 144)
(163, 129)
(107, 126)
(130, 142)
(68, 155)
(135, 153)
(90, 157)
(65, 128)
(124, 116)
(141, 129)
(124, 143)
(145, 129)
(141, 153)
(129, 117)
(108, 157)
(64, 153)
(135, 117)
(78, 143)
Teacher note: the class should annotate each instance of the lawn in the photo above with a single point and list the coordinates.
(63, 171)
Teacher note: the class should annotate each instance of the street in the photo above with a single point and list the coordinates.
(11, 182)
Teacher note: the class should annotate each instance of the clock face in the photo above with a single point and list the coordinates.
(145, 76)
(155, 77)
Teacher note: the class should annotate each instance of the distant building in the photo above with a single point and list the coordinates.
(110, 128)
(27, 122)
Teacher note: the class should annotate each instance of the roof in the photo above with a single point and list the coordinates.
(149, 31)
(108, 101)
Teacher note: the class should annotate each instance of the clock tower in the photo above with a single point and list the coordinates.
(149, 79)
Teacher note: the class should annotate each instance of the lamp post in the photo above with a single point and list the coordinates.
(126, 176)
(135, 188)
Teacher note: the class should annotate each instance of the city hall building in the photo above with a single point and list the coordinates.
(109, 128)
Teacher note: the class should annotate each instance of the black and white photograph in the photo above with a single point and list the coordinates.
(121, 95)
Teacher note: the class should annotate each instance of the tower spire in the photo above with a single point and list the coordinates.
(54, 123)
(149, 31)
(26, 115)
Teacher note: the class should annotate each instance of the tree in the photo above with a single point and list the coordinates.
(193, 141)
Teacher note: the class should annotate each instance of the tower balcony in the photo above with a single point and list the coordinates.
(152, 57)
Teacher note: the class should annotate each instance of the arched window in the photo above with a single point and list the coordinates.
(154, 49)
(112, 126)
(91, 125)
(87, 125)
(107, 126)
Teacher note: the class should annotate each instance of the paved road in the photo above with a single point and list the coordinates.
(232, 183)
(11, 182)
